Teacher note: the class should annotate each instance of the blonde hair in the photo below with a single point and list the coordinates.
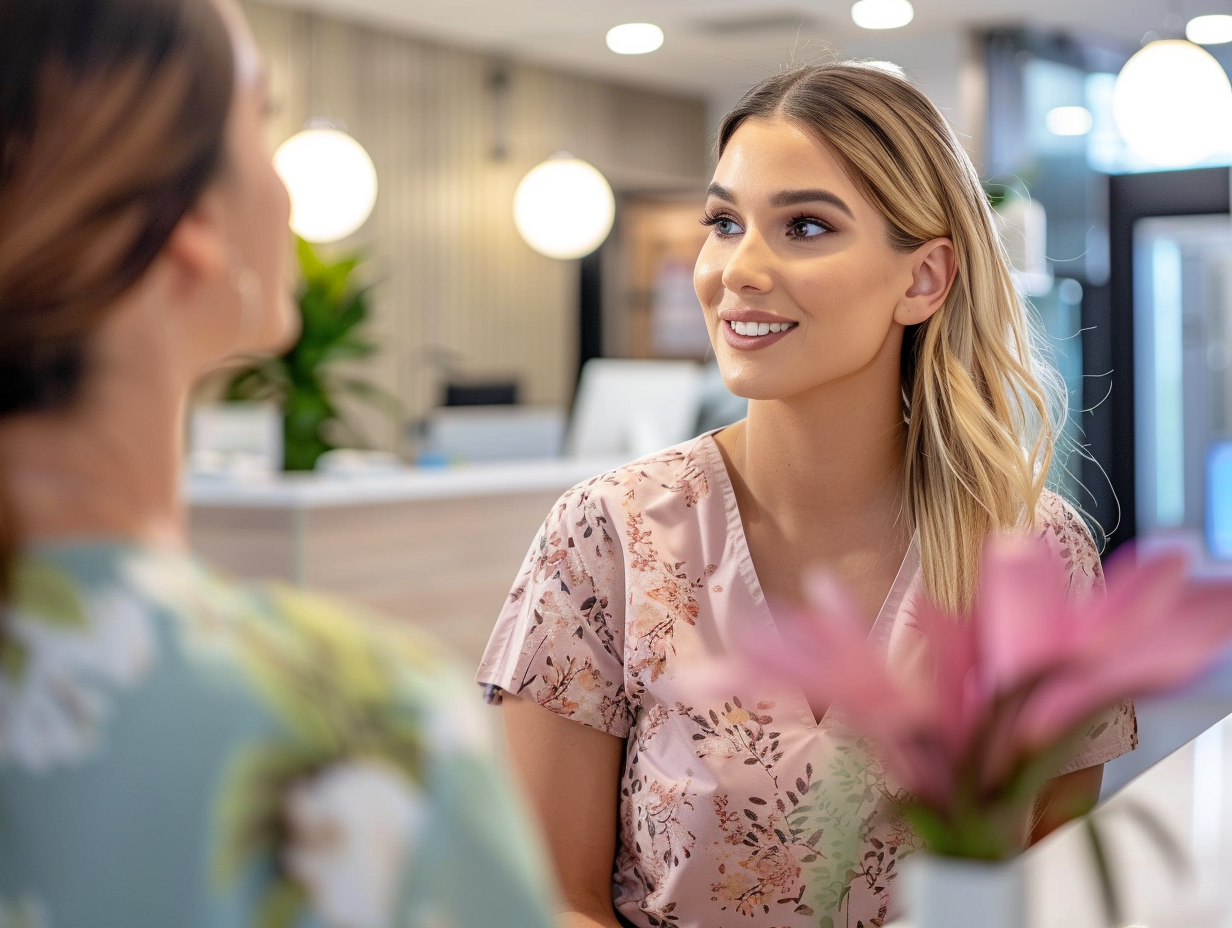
(982, 410)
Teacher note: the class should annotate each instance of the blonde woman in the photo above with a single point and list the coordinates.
(855, 292)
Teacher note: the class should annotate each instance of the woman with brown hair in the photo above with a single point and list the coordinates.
(856, 293)
(175, 749)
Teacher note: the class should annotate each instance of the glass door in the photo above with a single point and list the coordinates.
(1183, 378)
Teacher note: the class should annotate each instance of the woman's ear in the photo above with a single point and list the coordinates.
(933, 266)
(196, 251)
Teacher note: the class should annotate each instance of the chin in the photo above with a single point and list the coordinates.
(279, 333)
(755, 385)
(292, 323)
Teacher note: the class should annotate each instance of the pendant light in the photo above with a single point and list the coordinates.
(1172, 103)
(330, 177)
(564, 207)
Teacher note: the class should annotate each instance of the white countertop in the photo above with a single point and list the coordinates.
(311, 490)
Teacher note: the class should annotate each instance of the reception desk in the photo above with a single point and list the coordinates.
(436, 548)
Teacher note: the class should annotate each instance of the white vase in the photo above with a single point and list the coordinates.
(950, 892)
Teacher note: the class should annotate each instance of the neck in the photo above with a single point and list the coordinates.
(107, 468)
(833, 456)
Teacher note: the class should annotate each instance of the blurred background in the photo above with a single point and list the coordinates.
(500, 204)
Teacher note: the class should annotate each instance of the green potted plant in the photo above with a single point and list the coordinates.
(306, 381)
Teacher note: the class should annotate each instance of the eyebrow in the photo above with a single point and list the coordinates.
(788, 198)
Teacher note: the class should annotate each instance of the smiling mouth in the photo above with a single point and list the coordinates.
(759, 328)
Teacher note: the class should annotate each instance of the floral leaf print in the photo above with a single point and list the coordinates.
(691, 482)
(281, 906)
(337, 685)
(63, 666)
(14, 659)
(1068, 535)
(669, 597)
(864, 837)
(248, 817)
(736, 733)
(661, 807)
(353, 830)
(24, 913)
(325, 671)
(47, 594)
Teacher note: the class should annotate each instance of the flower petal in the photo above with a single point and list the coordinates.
(1022, 615)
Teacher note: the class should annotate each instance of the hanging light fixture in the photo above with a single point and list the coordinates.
(329, 176)
(1172, 103)
(563, 207)
(331, 180)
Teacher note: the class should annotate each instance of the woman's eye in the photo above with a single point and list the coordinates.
(806, 228)
(722, 225)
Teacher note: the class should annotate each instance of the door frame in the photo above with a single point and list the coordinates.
(1108, 342)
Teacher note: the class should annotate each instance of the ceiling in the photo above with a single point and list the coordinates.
(715, 48)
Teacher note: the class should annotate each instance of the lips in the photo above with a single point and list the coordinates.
(741, 327)
(750, 335)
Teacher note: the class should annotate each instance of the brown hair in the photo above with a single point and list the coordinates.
(981, 409)
(112, 119)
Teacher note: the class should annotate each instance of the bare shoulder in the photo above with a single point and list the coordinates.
(1066, 531)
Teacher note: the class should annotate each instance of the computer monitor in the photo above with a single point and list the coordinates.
(629, 408)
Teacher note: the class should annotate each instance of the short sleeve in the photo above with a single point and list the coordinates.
(559, 639)
(1115, 732)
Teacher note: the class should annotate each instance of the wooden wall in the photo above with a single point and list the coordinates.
(455, 279)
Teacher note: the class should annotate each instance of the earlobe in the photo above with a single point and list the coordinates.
(933, 270)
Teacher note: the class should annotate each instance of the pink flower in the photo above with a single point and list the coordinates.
(990, 711)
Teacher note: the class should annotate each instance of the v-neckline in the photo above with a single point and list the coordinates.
(883, 624)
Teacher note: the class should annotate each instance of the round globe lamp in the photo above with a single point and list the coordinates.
(1172, 103)
(564, 208)
(331, 180)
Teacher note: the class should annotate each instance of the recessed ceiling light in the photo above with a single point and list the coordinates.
(882, 14)
(1068, 120)
(634, 38)
(1209, 30)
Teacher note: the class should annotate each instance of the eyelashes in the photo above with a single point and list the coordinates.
(792, 226)
(714, 219)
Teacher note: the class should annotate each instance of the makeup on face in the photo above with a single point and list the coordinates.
(750, 330)
(797, 279)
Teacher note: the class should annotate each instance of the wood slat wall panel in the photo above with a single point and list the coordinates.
(454, 277)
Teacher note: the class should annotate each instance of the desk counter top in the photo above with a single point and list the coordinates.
(310, 490)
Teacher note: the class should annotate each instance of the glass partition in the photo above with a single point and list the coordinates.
(1183, 377)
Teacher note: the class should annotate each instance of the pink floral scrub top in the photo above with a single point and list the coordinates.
(732, 811)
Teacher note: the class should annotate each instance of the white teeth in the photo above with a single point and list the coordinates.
(759, 328)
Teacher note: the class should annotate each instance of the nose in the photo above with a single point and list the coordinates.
(749, 265)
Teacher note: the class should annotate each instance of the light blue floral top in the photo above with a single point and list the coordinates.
(177, 751)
